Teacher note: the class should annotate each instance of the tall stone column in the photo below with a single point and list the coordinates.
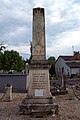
(38, 35)
(39, 85)
(39, 98)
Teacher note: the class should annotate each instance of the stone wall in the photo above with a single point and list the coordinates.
(18, 81)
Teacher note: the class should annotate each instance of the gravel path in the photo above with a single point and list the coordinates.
(69, 108)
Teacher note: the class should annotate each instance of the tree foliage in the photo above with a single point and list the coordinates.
(51, 61)
(11, 60)
(1, 60)
(30, 52)
(2, 47)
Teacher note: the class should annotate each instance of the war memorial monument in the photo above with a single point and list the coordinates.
(38, 98)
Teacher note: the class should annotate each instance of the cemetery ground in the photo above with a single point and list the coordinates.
(69, 107)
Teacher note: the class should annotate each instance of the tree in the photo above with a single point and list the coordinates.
(1, 59)
(11, 60)
(2, 47)
(30, 52)
(29, 60)
(51, 61)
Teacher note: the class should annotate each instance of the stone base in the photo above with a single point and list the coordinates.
(38, 108)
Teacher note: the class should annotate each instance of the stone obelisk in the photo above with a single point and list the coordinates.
(38, 38)
(39, 98)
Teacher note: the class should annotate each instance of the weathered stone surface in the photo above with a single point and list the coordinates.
(38, 39)
(8, 93)
(39, 80)
(39, 98)
(39, 108)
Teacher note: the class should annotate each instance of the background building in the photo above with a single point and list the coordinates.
(69, 65)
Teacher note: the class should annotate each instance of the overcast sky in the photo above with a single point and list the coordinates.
(62, 20)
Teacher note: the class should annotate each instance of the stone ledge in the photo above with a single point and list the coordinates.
(38, 100)
(39, 66)
(38, 108)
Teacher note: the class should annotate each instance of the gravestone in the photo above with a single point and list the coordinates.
(63, 81)
(8, 93)
(39, 98)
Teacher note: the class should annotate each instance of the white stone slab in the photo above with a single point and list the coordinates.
(38, 92)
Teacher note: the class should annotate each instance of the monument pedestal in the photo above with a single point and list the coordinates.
(39, 99)
(28, 106)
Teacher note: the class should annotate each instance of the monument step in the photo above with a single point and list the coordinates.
(38, 100)
(38, 108)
